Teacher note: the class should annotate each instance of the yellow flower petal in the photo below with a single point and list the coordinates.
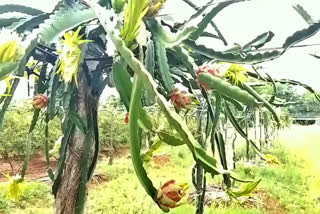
(70, 56)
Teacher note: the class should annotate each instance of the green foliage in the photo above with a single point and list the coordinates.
(124, 186)
(118, 5)
(105, 3)
(68, 15)
(5, 205)
(294, 182)
(259, 41)
(308, 104)
(17, 123)
(168, 39)
(61, 21)
(164, 68)
(35, 196)
(35, 193)
(287, 182)
(29, 23)
(232, 57)
(9, 21)
(20, 9)
(6, 69)
(303, 13)
(113, 130)
(122, 82)
(135, 10)
(297, 102)
(266, 104)
(285, 119)
(249, 58)
(246, 190)
(170, 139)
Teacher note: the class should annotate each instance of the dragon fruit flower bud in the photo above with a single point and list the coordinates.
(183, 100)
(170, 193)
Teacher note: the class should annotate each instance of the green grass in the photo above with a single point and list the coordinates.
(37, 198)
(294, 183)
(124, 194)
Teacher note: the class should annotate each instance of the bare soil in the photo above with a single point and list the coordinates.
(161, 159)
(37, 167)
(271, 204)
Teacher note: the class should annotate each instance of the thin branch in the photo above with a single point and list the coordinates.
(218, 2)
(316, 56)
(280, 48)
(288, 81)
(191, 4)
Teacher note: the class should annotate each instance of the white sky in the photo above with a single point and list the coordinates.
(241, 22)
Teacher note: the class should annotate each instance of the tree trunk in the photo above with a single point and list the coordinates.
(75, 173)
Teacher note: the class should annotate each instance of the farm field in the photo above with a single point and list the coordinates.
(292, 187)
(158, 106)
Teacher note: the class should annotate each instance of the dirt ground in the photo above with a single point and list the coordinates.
(270, 204)
(37, 167)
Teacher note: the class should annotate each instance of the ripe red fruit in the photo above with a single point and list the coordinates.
(182, 99)
(40, 101)
(210, 68)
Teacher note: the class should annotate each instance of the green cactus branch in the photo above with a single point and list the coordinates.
(9, 21)
(215, 27)
(186, 60)
(61, 21)
(169, 39)
(135, 105)
(20, 9)
(173, 118)
(164, 68)
(303, 13)
(29, 23)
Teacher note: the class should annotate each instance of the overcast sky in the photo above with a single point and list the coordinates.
(241, 22)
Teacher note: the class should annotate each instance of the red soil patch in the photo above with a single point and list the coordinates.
(162, 159)
(270, 204)
(118, 153)
(37, 167)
